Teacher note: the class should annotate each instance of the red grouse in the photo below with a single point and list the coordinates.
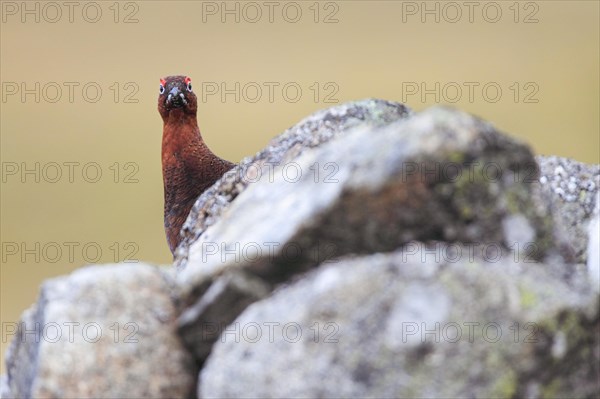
(189, 166)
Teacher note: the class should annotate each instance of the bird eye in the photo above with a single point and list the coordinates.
(162, 89)
(188, 83)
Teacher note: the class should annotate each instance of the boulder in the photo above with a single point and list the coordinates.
(312, 131)
(569, 191)
(103, 331)
(593, 248)
(438, 175)
(5, 392)
(427, 321)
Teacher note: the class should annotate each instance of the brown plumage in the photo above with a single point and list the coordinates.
(189, 166)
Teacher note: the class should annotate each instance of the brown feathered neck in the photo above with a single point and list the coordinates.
(180, 132)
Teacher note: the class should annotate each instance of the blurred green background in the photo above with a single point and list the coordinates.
(543, 56)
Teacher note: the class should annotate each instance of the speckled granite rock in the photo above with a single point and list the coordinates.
(569, 189)
(314, 130)
(424, 177)
(412, 324)
(5, 392)
(593, 250)
(439, 175)
(101, 332)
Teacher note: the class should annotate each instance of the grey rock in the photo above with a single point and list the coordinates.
(201, 324)
(568, 192)
(418, 179)
(22, 355)
(423, 178)
(410, 324)
(593, 250)
(5, 392)
(312, 131)
(103, 331)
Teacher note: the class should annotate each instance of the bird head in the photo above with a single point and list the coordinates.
(176, 95)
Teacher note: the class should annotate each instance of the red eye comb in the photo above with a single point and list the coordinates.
(187, 80)
(163, 82)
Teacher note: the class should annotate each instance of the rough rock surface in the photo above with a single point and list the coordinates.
(312, 131)
(5, 392)
(410, 324)
(440, 175)
(354, 253)
(103, 331)
(593, 249)
(570, 188)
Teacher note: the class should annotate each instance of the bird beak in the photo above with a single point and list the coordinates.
(175, 95)
(172, 94)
